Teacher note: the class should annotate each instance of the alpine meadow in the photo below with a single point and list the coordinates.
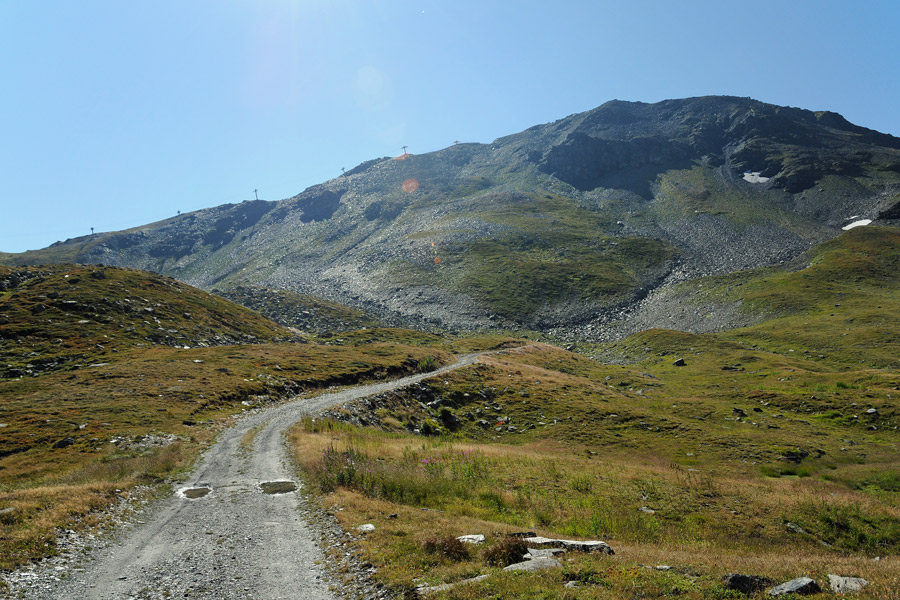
(668, 327)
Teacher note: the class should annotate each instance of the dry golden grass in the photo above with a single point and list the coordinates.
(395, 547)
(28, 530)
(708, 522)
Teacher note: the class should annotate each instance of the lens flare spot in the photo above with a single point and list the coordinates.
(410, 185)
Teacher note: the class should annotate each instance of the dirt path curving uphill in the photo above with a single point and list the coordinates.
(222, 536)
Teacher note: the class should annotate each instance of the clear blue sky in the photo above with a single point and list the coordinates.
(118, 113)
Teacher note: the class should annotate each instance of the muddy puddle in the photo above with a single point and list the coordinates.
(194, 493)
(277, 487)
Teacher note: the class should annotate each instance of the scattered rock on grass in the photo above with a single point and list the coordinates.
(795, 528)
(843, 585)
(802, 586)
(588, 546)
(367, 528)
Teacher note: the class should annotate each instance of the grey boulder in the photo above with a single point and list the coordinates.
(843, 585)
(802, 586)
(535, 564)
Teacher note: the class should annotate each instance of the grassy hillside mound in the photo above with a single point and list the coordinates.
(62, 317)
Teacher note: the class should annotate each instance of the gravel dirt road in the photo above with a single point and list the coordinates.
(236, 541)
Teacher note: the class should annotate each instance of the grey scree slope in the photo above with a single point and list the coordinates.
(235, 542)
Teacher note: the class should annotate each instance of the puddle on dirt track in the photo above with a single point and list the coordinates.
(194, 493)
(277, 487)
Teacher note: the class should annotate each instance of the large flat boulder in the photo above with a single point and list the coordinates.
(575, 545)
(535, 564)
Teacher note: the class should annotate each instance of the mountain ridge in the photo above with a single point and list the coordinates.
(554, 228)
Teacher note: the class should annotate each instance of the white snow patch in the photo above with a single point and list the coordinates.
(755, 177)
(859, 223)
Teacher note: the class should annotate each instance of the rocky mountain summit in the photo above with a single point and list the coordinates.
(567, 227)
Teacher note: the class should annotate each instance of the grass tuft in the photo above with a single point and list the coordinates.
(446, 547)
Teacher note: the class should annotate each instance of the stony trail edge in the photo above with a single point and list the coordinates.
(234, 541)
